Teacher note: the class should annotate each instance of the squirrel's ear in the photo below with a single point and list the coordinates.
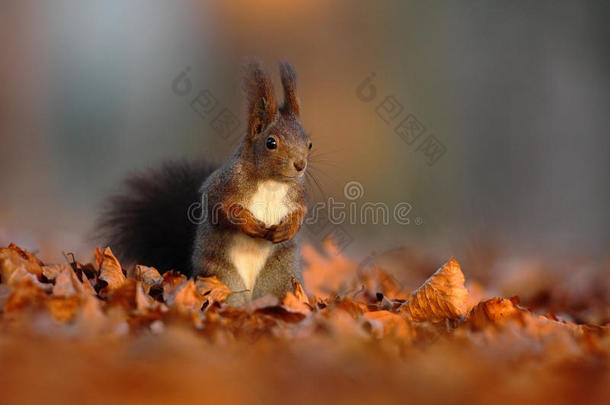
(261, 98)
(289, 83)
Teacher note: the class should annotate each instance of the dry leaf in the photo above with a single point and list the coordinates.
(64, 283)
(212, 289)
(122, 297)
(65, 272)
(298, 291)
(26, 296)
(21, 274)
(188, 299)
(297, 301)
(110, 268)
(351, 344)
(495, 311)
(172, 282)
(13, 258)
(327, 273)
(383, 303)
(5, 292)
(91, 317)
(270, 306)
(143, 301)
(87, 288)
(442, 296)
(51, 272)
(63, 309)
(388, 285)
(149, 276)
(388, 324)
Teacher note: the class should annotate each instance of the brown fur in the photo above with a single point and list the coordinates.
(233, 186)
(289, 83)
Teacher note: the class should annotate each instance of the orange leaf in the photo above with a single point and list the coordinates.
(110, 268)
(149, 276)
(442, 296)
(188, 299)
(212, 289)
(13, 257)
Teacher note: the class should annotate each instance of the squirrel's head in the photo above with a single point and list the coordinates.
(277, 142)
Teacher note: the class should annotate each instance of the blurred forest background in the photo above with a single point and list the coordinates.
(517, 93)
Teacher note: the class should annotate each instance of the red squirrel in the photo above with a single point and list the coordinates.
(254, 203)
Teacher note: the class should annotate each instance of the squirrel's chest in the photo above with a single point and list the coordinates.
(268, 204)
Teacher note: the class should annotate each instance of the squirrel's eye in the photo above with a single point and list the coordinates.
(310, 144)
(271, 143)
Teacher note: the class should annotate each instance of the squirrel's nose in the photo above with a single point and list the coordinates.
(299, 165)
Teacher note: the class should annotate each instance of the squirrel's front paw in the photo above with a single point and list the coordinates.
(254, 228)
(284, 231)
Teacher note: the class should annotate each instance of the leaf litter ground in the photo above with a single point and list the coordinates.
(97, 333)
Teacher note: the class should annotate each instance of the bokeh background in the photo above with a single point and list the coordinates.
(517, 92)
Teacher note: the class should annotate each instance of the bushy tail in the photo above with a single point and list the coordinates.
(147, 222)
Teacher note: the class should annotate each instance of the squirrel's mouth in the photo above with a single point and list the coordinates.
(295, 177)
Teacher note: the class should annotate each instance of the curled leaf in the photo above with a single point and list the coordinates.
(149, 276)
(442, 296)
(299, 292)
(13, 257)
(63, 309)
(297, 301)
(86, 286)
(26, 295)
(212, 289)
(110, 268)
(495, 311)
(64, 283)
(172, 283)
(188, 299)
(21, 274)
(388, 324)
(143, 301)
(51, 272)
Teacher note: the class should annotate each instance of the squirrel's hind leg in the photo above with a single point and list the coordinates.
(228, 274)
(281, 266)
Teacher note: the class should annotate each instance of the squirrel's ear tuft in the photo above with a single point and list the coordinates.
(260, 96)
(289, 83)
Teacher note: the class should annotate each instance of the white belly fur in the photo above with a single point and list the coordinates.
(268, 204)
(248, 255)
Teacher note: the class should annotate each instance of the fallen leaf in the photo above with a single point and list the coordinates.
(13, 258)
(64, 285)
(63, 309)
(149, 276)
(171, 284)
(188, 299)
(494, 311)
(26, 296)
(297, 300)
(212, 289)
(359, 341)
(144, 302)
(298, 291)
(51, 272)
(328, 272)
(442, 296)
(388, 324)
(110, 268)
(86, 285)
(21, 274)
